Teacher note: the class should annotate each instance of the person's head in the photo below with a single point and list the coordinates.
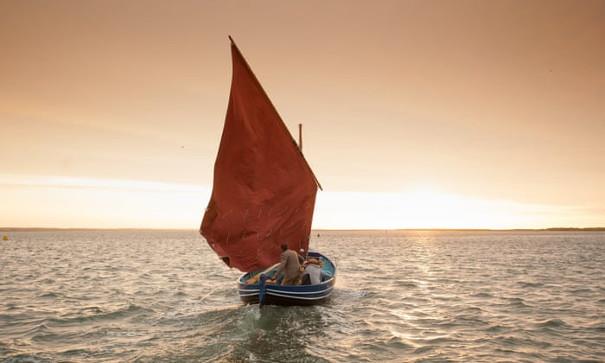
(284, 247)
(302, 251)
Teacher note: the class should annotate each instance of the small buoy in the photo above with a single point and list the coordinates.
(5, 238)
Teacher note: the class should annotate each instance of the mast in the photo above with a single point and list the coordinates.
(300, 137)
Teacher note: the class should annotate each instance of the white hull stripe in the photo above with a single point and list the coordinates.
(288, 296)
(244, 291)
(301, 292)
(248, 290)
(299, 297)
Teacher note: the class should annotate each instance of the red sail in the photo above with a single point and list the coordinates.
(264, 191)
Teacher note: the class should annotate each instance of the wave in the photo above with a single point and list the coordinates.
(483, 295)
(581, 290)
(497, 328)
(408, 284)
(527, 284)
(49, 295)
(552, 323)
(95, 313)
(398, 343)
(27, 358)
(518, 302)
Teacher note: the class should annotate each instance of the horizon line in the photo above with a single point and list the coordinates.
(548, 229)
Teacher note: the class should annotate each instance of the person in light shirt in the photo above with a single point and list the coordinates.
(313, 270)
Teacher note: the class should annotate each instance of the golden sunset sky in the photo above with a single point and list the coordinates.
(417, 114)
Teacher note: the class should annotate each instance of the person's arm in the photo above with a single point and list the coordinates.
(282, 264)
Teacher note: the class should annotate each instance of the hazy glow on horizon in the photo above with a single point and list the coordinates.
(109, 203)
(417, 114)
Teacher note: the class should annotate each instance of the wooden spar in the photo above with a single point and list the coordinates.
(300, 137)
(275, 109)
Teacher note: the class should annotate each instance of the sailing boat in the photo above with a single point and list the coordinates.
(263, 196)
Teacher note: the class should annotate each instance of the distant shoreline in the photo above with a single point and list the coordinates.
(553, 229)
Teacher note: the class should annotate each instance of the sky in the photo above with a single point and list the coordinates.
(417, 114)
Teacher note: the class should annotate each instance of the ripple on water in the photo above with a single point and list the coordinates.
(527, 284)
(95, 313)
(552, 323)
(482, 295)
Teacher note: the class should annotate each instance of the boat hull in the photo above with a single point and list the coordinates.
(289, 295)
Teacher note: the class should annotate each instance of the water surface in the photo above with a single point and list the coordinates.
(164, 296)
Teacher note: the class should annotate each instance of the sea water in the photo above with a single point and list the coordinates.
(150, 296)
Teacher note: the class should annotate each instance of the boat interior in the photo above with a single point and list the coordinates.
(327, 271)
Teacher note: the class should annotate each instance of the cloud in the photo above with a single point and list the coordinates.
(96, 183)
